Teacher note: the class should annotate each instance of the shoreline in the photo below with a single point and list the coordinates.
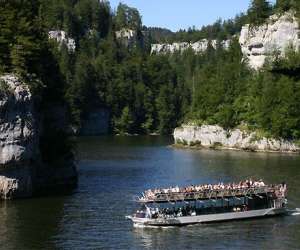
(220, 148)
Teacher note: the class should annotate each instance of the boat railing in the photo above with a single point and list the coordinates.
(207, 194)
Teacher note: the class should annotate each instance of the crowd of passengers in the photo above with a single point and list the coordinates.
(155, 213)
(151, 194)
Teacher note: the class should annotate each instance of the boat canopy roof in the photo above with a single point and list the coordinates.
(215, 191)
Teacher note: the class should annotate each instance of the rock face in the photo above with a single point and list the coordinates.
(276, 35)
(198, 47)
(97, 123)
(18, 126)
(62, 38)
(127, 37)
(22, 172)
(8, 187)
(213, 135)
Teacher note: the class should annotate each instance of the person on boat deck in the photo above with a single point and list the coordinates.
(151, 194)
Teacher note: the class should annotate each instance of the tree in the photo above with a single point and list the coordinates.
(166, 109)
(147, 93)
(125, 122)
(7, 19)
(285, 5)
(21, 38)
(127, 17)
(259, 10)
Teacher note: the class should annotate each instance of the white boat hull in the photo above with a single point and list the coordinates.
(187, 220)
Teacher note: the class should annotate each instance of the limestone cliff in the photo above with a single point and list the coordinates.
(22, 172)
(197, 47)
(275, 36)
(18, 125)
(61, 37)
(213, 135)
(127, 37)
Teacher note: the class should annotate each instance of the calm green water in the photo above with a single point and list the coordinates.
(113, 170)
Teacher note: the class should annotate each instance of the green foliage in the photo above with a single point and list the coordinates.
(288, 65)
(218, 82)
(76, 17)
(181, 142)
(195, 144)
(4, 88)
(25, 51)
(227, 93)
(259, 11)
(285, 5)
(21, 38)
(127, 17)
(216, 145)
(221, 30)
(125, 123)
(166, 109)
(144, 93)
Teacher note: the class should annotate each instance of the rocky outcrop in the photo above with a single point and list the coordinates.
(61, 38)
(18, 126)
(197, 47)
(22, 172)
(275, 36)
(127, 37)
(215, 136)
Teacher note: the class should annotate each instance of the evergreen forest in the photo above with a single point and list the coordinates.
(149, 93)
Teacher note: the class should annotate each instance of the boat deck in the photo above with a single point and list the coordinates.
(210, 194)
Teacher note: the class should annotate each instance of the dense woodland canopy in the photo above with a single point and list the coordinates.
(149, 93)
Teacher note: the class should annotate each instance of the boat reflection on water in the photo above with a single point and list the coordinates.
(247, 233)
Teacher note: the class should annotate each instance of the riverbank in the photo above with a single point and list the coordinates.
(215, 137)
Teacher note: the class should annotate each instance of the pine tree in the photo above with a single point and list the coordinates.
(127, 17)
(7, 19)
(126, 121)
(21, 38)
(165, 104)
(285, 5)
(258, 12)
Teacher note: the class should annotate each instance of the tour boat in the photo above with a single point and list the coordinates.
(209, 203)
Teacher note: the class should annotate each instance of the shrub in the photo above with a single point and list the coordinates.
(184, 142)
(216, 145)
(195, 143)
(297, 143)
(181, 142)
(4, 87)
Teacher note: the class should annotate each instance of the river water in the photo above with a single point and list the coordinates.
(112, 170)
